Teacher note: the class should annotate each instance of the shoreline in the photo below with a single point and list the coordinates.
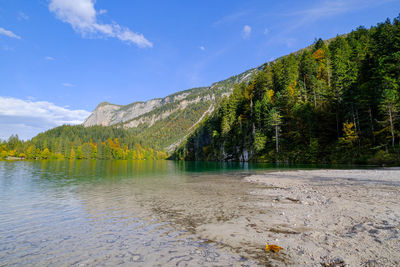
(331, 217)
(319, 217)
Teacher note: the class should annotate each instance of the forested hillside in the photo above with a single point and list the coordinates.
(78, 142)
(165, 122)
(334, 102)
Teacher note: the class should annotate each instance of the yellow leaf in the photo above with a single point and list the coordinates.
(270, 96)
(273, 248)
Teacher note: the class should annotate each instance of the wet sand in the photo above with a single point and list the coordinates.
(319, 217)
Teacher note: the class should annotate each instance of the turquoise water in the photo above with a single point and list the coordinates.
(116, 212)
(96, 213)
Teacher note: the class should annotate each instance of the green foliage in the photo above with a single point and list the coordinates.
(383, 157)
(390, 105)
(337, 101)
(172, 128)
(88, 143)
(259, 141)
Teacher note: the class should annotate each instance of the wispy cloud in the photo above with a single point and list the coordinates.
(68, 85)
(7, 48)
(194, 74)
(202, 48)
(246, 32)
(22, 16)
(82, 16)
(326, 9)
(49, 58)
(266, 31)
(230, 18)
(27, 118)
(296, 20)
(8, 33)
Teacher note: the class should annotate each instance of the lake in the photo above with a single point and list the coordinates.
(128, 213)
(117, 212)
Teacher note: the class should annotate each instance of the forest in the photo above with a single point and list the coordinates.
(78, 142)
(337, 101)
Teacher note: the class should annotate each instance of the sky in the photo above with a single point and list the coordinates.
(60, 58)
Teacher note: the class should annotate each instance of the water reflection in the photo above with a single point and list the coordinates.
(107, 213)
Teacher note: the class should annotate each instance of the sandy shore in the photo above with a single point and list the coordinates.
(319, 217)
(332, 217)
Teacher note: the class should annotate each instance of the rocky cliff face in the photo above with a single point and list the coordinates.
(107, 114)
(102, 115)
(164, 122)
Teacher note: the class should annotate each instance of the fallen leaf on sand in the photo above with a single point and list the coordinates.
(273, 248)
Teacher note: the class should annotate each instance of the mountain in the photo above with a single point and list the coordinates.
(164, 123)
(336, 101)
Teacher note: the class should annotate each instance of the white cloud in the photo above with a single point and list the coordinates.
(82, 16)
(9, 33)
(27, 118)
(102, 11)
(202, 48)
(266, 31)
(68, 85)
(22, 16)
(49, 58)
(246, 31)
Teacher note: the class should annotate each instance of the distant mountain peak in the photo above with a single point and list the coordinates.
(166, 121)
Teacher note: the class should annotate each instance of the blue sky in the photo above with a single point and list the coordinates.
(60, 58)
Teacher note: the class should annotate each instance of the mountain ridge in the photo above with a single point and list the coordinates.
(182, 110)
(160, 115)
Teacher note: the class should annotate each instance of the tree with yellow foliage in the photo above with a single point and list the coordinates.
(45, 153)
(349, 135)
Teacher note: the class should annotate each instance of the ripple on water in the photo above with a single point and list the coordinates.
(58, 215)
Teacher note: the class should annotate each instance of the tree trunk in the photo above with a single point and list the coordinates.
(315, 99)
(252, 118)
(358, 122)
(337, 112)
(356, 125)
(305, 87)
(354, 118)
(391, 124)
(277, 138)
(337, 122)
(372, 124)
(329, 72)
